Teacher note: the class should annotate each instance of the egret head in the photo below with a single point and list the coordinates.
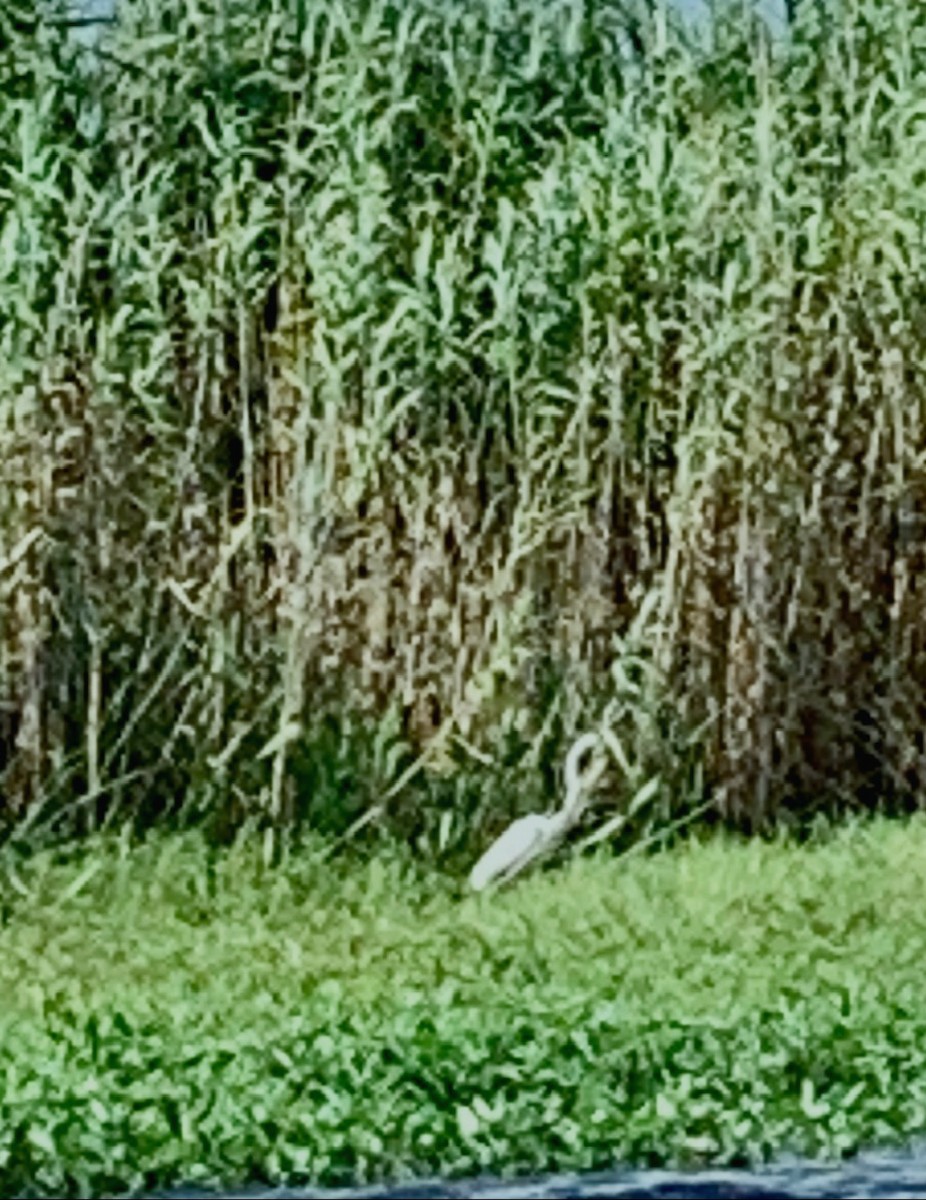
(579, 781)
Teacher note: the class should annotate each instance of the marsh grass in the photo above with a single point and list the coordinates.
(177, 1013)
(390, 391)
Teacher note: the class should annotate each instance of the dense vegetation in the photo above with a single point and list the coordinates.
(390, 391)
(177, 1013)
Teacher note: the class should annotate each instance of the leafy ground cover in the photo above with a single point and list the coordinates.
(174, 1012)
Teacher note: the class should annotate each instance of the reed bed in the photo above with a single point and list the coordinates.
(390, 391)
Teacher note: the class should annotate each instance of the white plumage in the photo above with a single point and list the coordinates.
(529, 837)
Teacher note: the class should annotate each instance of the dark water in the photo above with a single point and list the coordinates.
(872, 1176)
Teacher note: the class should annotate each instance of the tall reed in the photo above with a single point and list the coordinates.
(391, 390)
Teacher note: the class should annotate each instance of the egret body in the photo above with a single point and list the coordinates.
(529, 837)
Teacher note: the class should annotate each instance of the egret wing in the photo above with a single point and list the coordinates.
(522, 841)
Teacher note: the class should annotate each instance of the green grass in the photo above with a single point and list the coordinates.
(177, 1013)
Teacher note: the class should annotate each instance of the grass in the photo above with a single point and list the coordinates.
(172, 1012)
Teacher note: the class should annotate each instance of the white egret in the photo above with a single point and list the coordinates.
(529, 837)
